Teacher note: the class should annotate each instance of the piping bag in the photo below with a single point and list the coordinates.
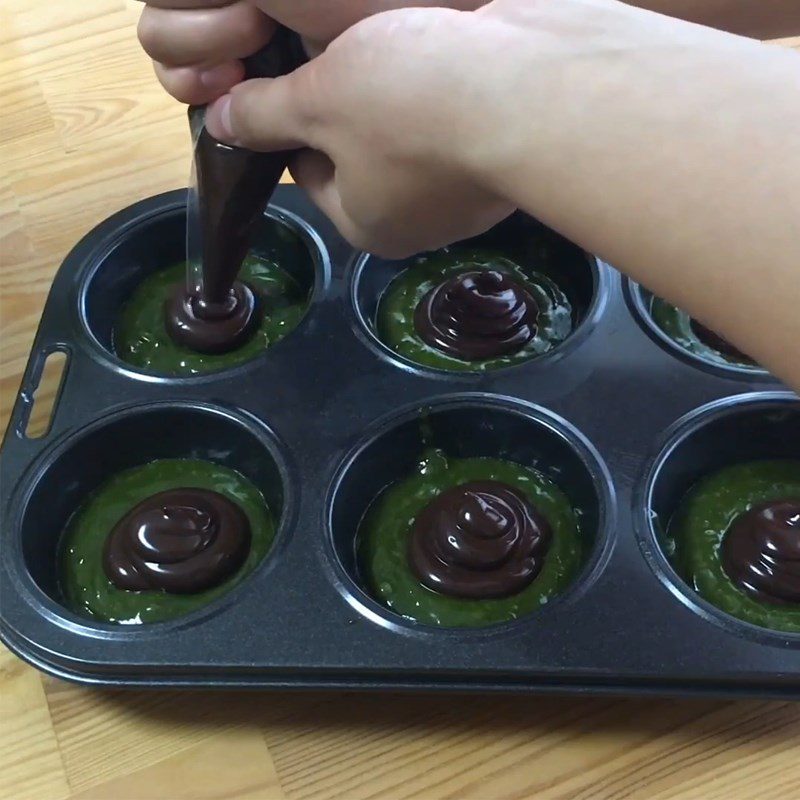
(230, 188)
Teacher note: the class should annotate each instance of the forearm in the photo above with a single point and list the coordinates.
(761, 19)
(672, 153)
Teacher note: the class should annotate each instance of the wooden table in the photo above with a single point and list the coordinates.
(85, 130)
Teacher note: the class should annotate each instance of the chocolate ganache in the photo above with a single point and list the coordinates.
(480, 539)
(212, 327)
(761, 552)
(233, 188)
(716, 342)
(476, 315)
(180, 541)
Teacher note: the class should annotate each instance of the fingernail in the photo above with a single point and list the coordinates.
(225, 116)
(218, 119)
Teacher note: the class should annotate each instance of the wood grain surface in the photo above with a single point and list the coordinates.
(85, 130)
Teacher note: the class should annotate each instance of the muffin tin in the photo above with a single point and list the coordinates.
(327, 418)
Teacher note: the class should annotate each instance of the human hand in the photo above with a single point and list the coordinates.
(385, 155)
(197, 46)
(429, 125)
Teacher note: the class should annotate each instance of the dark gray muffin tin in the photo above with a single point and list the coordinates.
(327, 418)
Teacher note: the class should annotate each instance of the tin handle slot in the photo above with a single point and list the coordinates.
(44, 397)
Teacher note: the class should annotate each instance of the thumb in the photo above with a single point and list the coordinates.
(265, 114)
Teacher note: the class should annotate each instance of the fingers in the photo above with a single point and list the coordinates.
(316, 174)
(181, 38)
(196, 86)
(266, 115)
(197, 50)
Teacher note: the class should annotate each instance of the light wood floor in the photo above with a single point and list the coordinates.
(85, 131)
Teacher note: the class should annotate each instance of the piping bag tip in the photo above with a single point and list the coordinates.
(230, 187)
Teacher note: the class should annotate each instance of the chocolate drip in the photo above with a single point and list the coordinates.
(761, 552)
(233, 188)
(716, 342)
(180, 541)
(481, 539)
(476, 315)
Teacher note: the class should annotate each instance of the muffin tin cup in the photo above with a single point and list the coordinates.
(750, 427)
(313, 408)
(639, 299)
(67, 473)
(137, 247)
(468, 426)
(585, 281)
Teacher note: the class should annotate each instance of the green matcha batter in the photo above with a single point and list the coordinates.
(696, 531)
(141, 338)
(677, 325)
(384, 534)
(395, 317)
(85, 585)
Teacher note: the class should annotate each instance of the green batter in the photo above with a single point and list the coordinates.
(677, 325)
(395, 317)
(384, 533)
(697, 528)
(84, 583)
(141, 338)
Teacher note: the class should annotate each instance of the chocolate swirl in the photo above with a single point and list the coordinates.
(476, 315)
(481, 539)
(180, 541)
(211, 327)
(716, 342)
(233, 188)
(761, 552)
